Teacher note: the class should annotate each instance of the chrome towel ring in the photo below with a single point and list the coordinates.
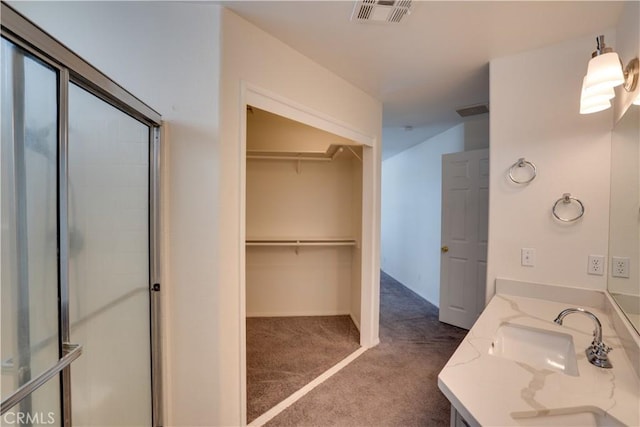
(566, 199)
(522, 162)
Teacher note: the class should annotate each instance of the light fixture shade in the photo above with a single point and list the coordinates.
(604, 93)
(594, 107)
(604, 71)
(637, 101)
(594, 100)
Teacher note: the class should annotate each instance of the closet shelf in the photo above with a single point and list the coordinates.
(302, 242)
(298, 157)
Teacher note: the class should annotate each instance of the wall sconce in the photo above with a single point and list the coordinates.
(604, 72)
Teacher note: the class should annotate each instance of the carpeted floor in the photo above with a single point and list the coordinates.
(393, 384)
(285, 353)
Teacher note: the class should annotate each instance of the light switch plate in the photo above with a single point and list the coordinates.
(528, 257)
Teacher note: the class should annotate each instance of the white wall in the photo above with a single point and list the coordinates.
(271, 133)
(411, 212)
(315, 203)
(167, 54)
(534, 114)
(318, 202)
(476, 132)
(356, 252)
(307, 200)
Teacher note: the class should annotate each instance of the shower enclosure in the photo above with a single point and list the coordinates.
(79, 257)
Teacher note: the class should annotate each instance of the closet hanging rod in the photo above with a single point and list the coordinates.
(297, 244)
(330, 158)
(301, 242)
(310, 158)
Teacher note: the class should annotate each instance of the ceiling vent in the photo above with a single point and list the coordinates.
(380, 10)
(473, 110)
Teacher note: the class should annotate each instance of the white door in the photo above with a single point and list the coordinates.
(465, 219)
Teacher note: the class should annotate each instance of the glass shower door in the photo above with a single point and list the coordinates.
(79, 181)
(106, 225)
(109, 263)
(30, 342)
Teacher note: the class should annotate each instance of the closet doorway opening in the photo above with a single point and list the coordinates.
(303, 254)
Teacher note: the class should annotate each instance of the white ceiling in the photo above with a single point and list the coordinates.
(435, 60)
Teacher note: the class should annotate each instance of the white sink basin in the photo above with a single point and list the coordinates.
(539, 348)
(585, 416)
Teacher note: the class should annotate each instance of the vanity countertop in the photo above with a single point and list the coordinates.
(488, 390)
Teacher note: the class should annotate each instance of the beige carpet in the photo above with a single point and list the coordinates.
(285, 353)
(393, 384)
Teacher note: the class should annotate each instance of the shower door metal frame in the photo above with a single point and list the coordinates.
(73, 69)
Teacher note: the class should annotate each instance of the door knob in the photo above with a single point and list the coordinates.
(444, 249)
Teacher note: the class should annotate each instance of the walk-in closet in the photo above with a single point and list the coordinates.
(303, 257)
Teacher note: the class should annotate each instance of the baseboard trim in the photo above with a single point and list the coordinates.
(355, 321)
(298, 313)
(273, 412)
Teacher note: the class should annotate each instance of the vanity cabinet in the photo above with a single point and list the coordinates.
(456, 418)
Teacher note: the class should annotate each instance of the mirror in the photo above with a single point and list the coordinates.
(624, 225)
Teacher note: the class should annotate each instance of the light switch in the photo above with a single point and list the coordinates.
(528, 257)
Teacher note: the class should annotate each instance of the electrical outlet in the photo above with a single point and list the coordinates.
(620, 267)
(596, 265)
(528, 257)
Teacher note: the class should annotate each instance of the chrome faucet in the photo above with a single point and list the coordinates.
(597, 352)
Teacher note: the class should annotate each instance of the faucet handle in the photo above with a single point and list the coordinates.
(601, 347)
(597, 354)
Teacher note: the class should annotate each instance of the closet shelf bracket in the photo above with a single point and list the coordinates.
(353, 152)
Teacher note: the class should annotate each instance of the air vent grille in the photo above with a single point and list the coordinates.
(381, 10)
(364, 11)
(473, 110)
(402, 8)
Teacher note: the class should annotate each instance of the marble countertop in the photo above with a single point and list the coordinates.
(487, 390)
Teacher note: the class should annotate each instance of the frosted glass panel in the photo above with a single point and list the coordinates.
(30, 341)
(45, 408)
(109, 263)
